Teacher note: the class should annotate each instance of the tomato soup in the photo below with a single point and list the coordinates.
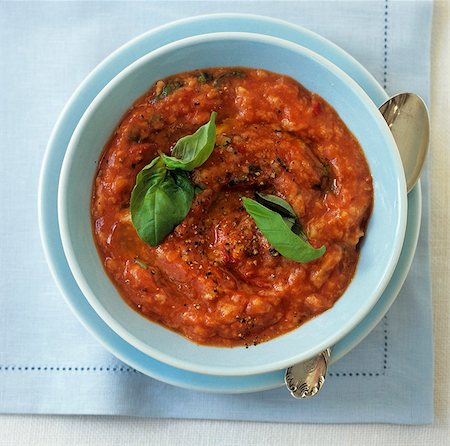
(215, 279)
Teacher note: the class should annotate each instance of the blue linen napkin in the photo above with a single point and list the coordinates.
(48, 362)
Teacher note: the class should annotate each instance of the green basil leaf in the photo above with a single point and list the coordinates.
(290, 222)
(192, 151)
(279, 234)
(276, 204)
(160, 200)
(281, 206)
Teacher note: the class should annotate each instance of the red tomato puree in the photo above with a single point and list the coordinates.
(215, 279)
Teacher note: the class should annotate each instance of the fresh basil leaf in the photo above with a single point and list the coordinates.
(278, 233)
(290, 222)
(297, 229)
(160, 200)
(275, 203)
(281, 206)
(192, 151)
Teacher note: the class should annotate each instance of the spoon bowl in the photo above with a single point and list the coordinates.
(407, 117)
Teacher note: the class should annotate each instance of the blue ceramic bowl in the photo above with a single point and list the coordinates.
(382, 243)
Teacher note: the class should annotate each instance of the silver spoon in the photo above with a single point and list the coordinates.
(407, 117)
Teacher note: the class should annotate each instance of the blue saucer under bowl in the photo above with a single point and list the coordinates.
(49, 190)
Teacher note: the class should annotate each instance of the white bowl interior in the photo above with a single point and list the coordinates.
(381, 246)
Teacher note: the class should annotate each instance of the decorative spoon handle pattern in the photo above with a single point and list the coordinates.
(306, 378)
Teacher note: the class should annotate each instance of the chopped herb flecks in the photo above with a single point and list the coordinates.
(140, 263)
(168, 89)
(223, 76)
(205, 77)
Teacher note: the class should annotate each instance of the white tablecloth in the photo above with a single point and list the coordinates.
(45, 430)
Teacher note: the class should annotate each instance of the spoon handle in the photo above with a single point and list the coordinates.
(305, 379)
